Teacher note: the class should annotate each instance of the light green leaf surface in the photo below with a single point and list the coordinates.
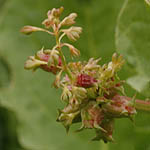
(30, 96)
(133, 41)
(148, 2)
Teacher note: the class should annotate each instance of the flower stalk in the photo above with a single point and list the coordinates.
(94, 94)
(66, 69)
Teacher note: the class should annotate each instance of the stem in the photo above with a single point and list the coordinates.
(140, 104)
(67, 70)
(62, 36)
(47, 31)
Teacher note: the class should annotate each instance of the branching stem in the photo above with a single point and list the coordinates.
(66, 69)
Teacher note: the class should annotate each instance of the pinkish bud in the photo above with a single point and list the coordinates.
(119, 107)
(29, 29)
(86, 81)
(92, 116)
(51, 69)
(45, 57)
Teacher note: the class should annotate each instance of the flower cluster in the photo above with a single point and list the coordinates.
(93, 94)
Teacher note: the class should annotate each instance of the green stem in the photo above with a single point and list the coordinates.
(140, 104)
(66, 69)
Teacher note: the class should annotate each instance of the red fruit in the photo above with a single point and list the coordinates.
(86, 81)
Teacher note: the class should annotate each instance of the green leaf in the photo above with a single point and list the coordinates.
(148, 2)
(6, 74)
(133, 41)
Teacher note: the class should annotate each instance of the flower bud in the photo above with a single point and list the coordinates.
(54, 58)
(73, 33)
(43, 55)
(119, 107)
(92, 93)
(92, 64)
(92, 116)
(73, 51)
(53, 17)
(67, 119)
(33, 63)
(108, 126)
(86, 81)
(69, 20)
(79, 93)
(117, 62)
(52, 69)
(40, 60)
(57, 82)
(66, 95)
(29, 29)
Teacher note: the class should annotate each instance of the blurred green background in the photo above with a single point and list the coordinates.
(28, 103)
